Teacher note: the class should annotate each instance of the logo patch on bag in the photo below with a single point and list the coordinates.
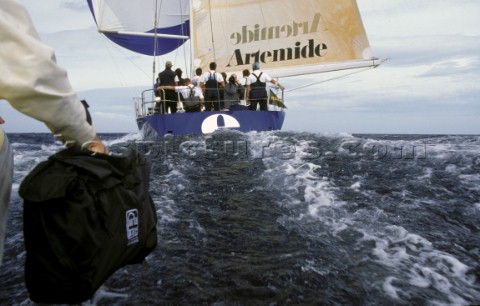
(131, 217)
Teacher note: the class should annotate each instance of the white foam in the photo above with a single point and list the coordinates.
(424, 266)
(389, 288)
(124, 139)
(356, 185)
(408, 258)
(101, 294)
(451, 169)
(300, 183)
(312, 266)
(427, 174)
(471, 181)
(417, 279)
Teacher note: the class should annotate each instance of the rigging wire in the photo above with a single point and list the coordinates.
(155, 25)
(109, 46)
(264, 22)
(331, 79)
(211, 29)
(184, 47)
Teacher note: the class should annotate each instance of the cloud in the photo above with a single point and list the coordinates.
(74, 5)
(109, 115)
(423, 50)
(461, 67)
(420, 18)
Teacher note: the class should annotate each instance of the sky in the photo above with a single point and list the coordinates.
(429, 85)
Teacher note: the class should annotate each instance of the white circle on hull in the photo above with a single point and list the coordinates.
(210, 124)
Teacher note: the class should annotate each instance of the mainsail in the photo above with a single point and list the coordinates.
(287, 38)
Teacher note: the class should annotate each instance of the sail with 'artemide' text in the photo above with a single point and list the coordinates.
(286, 37)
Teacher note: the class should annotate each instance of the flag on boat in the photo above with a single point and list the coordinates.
(273, 99)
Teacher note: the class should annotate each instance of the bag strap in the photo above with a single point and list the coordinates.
(214, 76)
(258, 77)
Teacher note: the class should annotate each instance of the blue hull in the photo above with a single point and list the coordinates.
(209, 121)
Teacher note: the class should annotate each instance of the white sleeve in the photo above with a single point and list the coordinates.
(33, 83)
(266, 78)
(202, 78)
(199, 93)
(180, 88)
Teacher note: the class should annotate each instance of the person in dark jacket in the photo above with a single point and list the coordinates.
(168, 78)
(233, 90)
(178, 73)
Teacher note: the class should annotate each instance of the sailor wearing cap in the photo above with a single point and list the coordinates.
(257, 88)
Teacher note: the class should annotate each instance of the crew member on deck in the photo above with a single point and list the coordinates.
(192, 96)
(212, 83)
(168, 78)
(257, 88)
(196, 77)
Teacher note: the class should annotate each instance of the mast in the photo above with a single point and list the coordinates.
(192, 58)
(155, 42)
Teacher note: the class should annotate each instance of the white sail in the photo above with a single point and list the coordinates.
(137, 25)
(287, 38)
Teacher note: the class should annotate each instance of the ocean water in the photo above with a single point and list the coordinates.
(286, 218)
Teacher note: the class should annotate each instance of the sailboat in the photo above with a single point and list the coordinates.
(287, 38)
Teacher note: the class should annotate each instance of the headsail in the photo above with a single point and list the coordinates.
(287, 37)
(131, 24)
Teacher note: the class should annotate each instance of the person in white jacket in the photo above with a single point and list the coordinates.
(35, 85)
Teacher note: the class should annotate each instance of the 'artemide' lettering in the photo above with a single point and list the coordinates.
(275, 32)
(310, 50)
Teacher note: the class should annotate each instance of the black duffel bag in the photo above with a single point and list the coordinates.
(85, 216)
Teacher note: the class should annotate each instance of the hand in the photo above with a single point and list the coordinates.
(97, 146)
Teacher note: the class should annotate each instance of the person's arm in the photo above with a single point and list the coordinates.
(36, 85)
(2, 136)
(247, 88)
(241, 91)
(202, 83)
(222, 81)
(199, 94)
(167, 87)
(277, 84)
